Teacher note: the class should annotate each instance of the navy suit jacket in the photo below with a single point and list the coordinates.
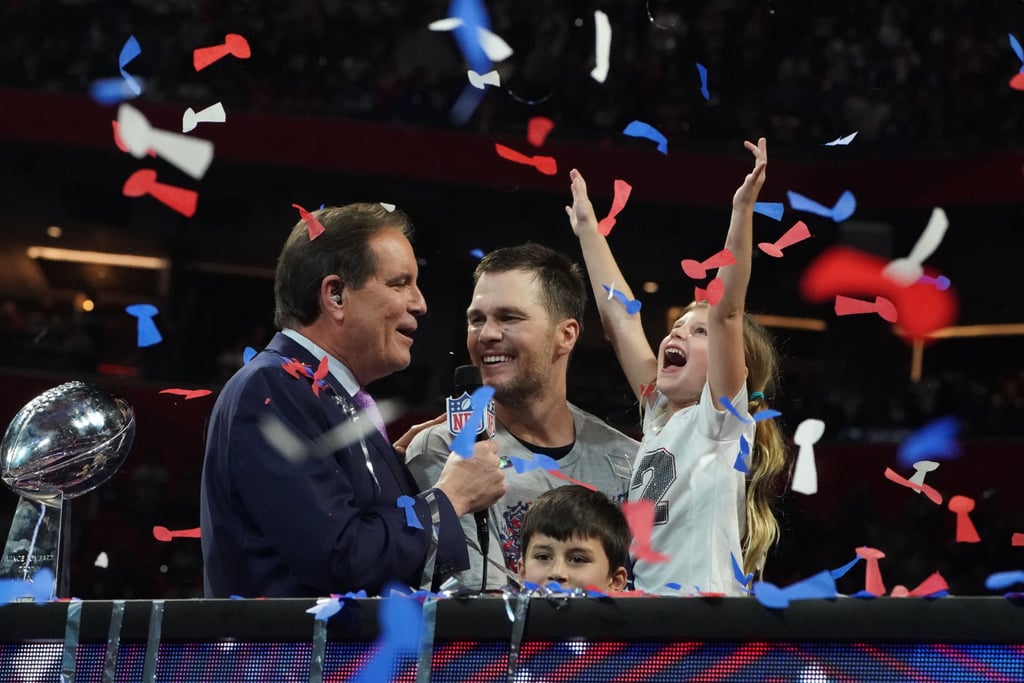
(276, 528)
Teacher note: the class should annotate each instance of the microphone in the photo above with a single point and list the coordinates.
(458, 409)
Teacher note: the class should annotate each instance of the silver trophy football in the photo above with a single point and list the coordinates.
(61, 444)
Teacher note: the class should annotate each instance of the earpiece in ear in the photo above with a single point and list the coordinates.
(336, 297)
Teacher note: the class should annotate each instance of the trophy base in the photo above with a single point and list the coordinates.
(33, 542)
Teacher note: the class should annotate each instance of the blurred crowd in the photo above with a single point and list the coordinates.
(909, 76)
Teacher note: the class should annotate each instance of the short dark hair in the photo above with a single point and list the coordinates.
(341, 249)
(565, 292)
(576, 511)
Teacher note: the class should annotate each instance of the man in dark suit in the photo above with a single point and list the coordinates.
(317, 511)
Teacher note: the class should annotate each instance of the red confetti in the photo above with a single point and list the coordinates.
(797, 233)
(713, 294)
(640, 516)
(933, 495)
(144, 182)
(314, 226)
(187, 393)
(1017, 82)
(698, 270)
(933, 584)
(965, 531)
(873, 576)
(561, 475)
(321, 372)
(1017, 540)
(546, 165)
(537, 130)
(646, 389)
(882, 306)
(234, 45)
(622, 191)
(294, 368)
(162, 533)
(922, 308)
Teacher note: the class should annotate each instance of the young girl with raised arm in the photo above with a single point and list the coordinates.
(705, 508)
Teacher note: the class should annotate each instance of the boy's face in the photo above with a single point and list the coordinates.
(575, 563)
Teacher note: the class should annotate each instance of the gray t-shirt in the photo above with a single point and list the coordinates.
(602, 457)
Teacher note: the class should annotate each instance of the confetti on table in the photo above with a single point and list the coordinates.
(480, 81)
(537, 130)
(546, 165)
(144, 182)
(931, 586)
(844, 140)
(602, 46)
(965, 531)
(234, 45)
(698, 270)
(640, 515)
(213, 114)
(162, 533)
(821, 586)
(702, 73)
(622, 192)
(313, 226)
(189, 394)
(1003, 580)
(188, 154)
(805, 473)
(713, 294)
(639, 129)
(922, 309)
(773, 210)
(940, 283)
(927, 490)
(883, 307)
(935, 440)
(840, 572)
(463, 442)
(129, 51)
(325, 608)
(408, 502)
(102, 561)
(843, 209)
(632, 305)
(797, 233)
(740, 463)
(907, 271)
(146, 332)
(872, 574)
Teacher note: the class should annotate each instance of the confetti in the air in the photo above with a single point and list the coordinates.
(737, 571)
(940, 283)
(602, 46)
(640, 515)
(702, 73)
(313, 226)
(907, 271)
(713, 294)
(797, 233)
(698, 270)
(112, 90)
(539, 461)
(921, 469)
(144, 182)
(213, 114)
(639, 129)
(234, 45)
(146, 332)
(842, 141)
(188, 154)
(546, 165)
(933, 495)
(632, 305)
(187, 393)
(965, 531)
(741, 458)
(773, 210)
(480, 81)
(622, 192)
(102, 561)
(805, 474)
(477, 253)
(462, 444)
(129, 51)
(935, 440)
(843, 208)
(537, 130)
(163, 534)
(849, 306)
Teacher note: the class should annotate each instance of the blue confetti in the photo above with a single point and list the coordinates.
(770, 595)
(821, 586)
(1015, 46)
(773, 210)
(411, 519)
(639, 129)
(727, 404)
(111, 91)
(1003, 580)
(703, 73)
(632, 305)
(477, 253)
(147, 334)
(539, 462)
(325, 610)
(741, 457)
(843, 209)
(766, 414)
(464, 440)
(937, 440)
(400, 627)
(674, 586)
(737, 571)
(841, 571)
(130, 51)
(248, 354)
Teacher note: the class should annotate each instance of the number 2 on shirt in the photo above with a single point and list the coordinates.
(662, 466)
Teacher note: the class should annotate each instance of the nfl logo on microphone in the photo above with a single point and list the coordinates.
(460, 410)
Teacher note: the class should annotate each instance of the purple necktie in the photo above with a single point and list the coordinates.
(368, 407)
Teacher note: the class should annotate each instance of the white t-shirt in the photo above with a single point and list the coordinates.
(686, 467)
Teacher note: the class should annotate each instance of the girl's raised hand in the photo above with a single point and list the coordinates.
(581, 213)
(747, 193)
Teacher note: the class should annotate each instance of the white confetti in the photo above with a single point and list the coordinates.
(845, 140)
(907, 271)
(479, 81)
(189, 154)
(602, 46)
(805, 474)
(102, 561)
(213, 114)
